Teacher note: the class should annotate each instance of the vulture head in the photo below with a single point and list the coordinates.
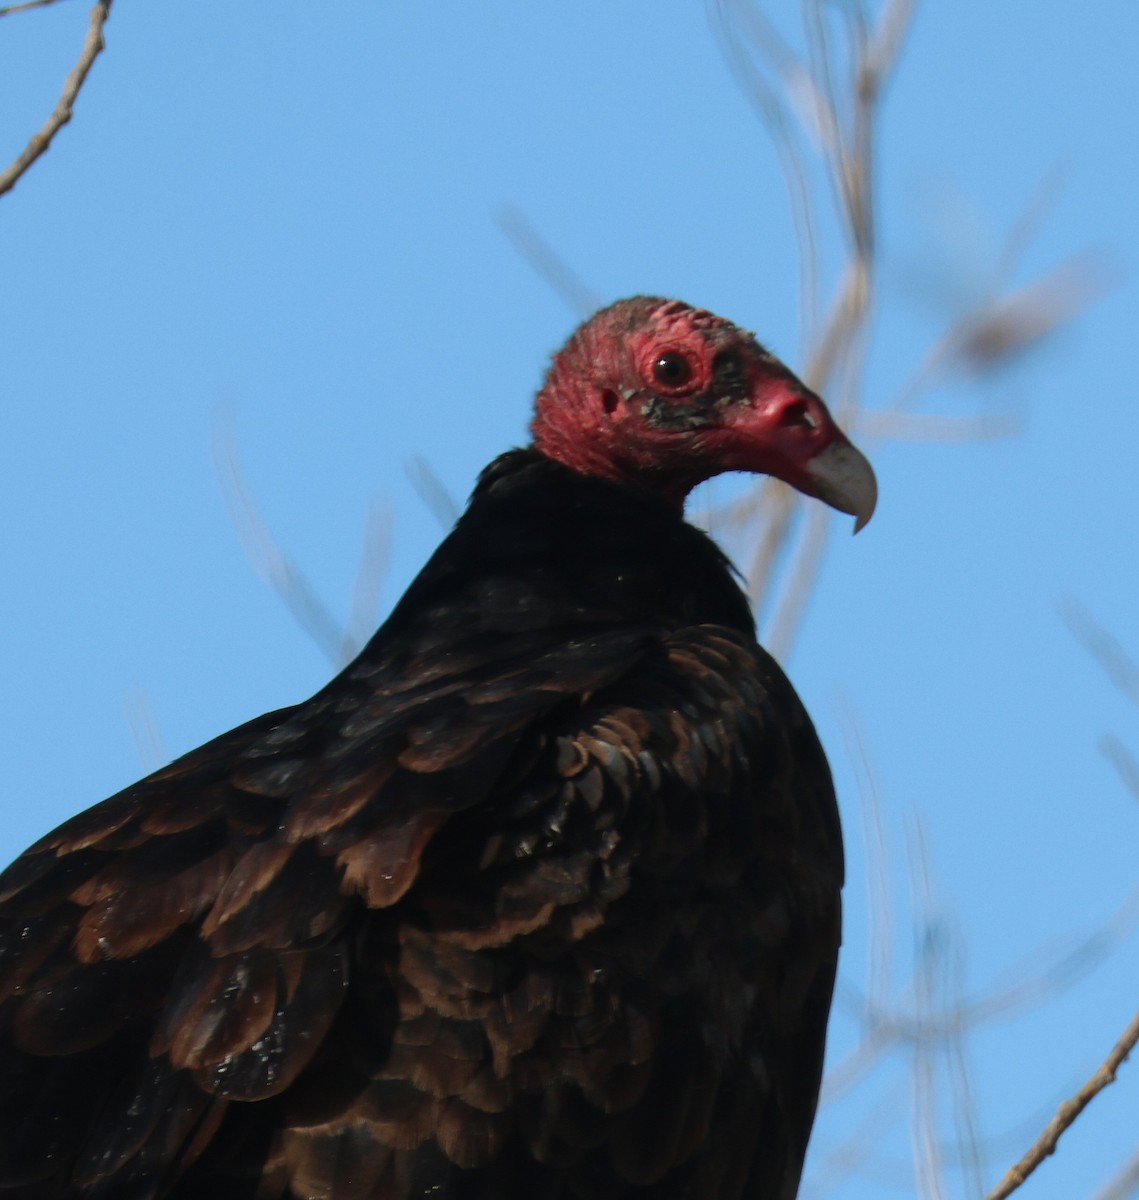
(662, 395)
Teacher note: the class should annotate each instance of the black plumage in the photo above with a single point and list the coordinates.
(538, 898)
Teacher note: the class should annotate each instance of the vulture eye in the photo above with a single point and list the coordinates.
(672, 369)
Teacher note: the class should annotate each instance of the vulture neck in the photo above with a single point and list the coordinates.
(574, 424)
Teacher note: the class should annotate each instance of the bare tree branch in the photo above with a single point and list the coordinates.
(1104, 647)
(148, 742)
(1046, 1144)
(1123, 672)
(827, 101)
(27, 6)
(1123, 761)
(729, 17)
(881, 932)
(936, 427)
(1004, 327)
(339, 643)
(92, 48)
(779, 506)
(1030, 986)
(433, 492)
(842, 126)
(546, 261)
(1124, 1185)
(802, 582)
(375, 554)
(825, 105)
(839, 1162)
(928, 984)
(886, 48)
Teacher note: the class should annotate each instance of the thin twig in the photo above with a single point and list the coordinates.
(1120, 668)
(847, 155)
(885, 1170)
(802, 583)
(936, 427)
(835, 1164)
(1023, 233)
(886, 47)
(270, 561)
(881, 933)
(1000, 329)
(546, 262)
(433, 492)
(829, 105)
(1067, 1113)
(835, 95)
(92, 47)
(1123, 761)
(375, 555)
(962, 1088)
(887, 1030)
(928, 1166)
(773, 111)
(1125, 1183)
(148, 742)
(1103, 646)
(27, 6)
(779, 505)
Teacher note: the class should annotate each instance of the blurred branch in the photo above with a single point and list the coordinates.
(1104, 647)
(41, 141)
(902, 1025)
(433, 492)
(936, 427)
(929, 986)
(843, 128)
(935, 1027)
(840, 1162)
(733, 23)
(9, 9)
(1028, 225)
(821, 111)
(340, 644)
(1125, 1183)
(825, 105)
(995, 333)
(547, 263)
(1120, 668)
(375, 553)
(858, 1153)
(805, 570)
(148, 742)
(881, 932)
(1046, 1144)
(1123, 761)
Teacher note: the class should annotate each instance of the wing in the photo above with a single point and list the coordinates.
(613, 977)
(532, 921)
(183, 949)
(674, 869)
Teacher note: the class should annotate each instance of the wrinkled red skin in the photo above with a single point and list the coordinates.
(603, 412)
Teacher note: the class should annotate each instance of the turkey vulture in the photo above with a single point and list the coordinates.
(538, 899)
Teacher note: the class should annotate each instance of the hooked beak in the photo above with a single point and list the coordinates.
(843, 478)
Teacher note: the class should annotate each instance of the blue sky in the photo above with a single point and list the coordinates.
(289, 216)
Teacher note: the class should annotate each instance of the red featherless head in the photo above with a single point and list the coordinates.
(662, 395)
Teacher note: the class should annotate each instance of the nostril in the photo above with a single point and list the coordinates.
(609, 401)
(799, 415)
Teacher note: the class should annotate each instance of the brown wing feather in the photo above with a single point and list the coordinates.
(556, 926)
(614, 974)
